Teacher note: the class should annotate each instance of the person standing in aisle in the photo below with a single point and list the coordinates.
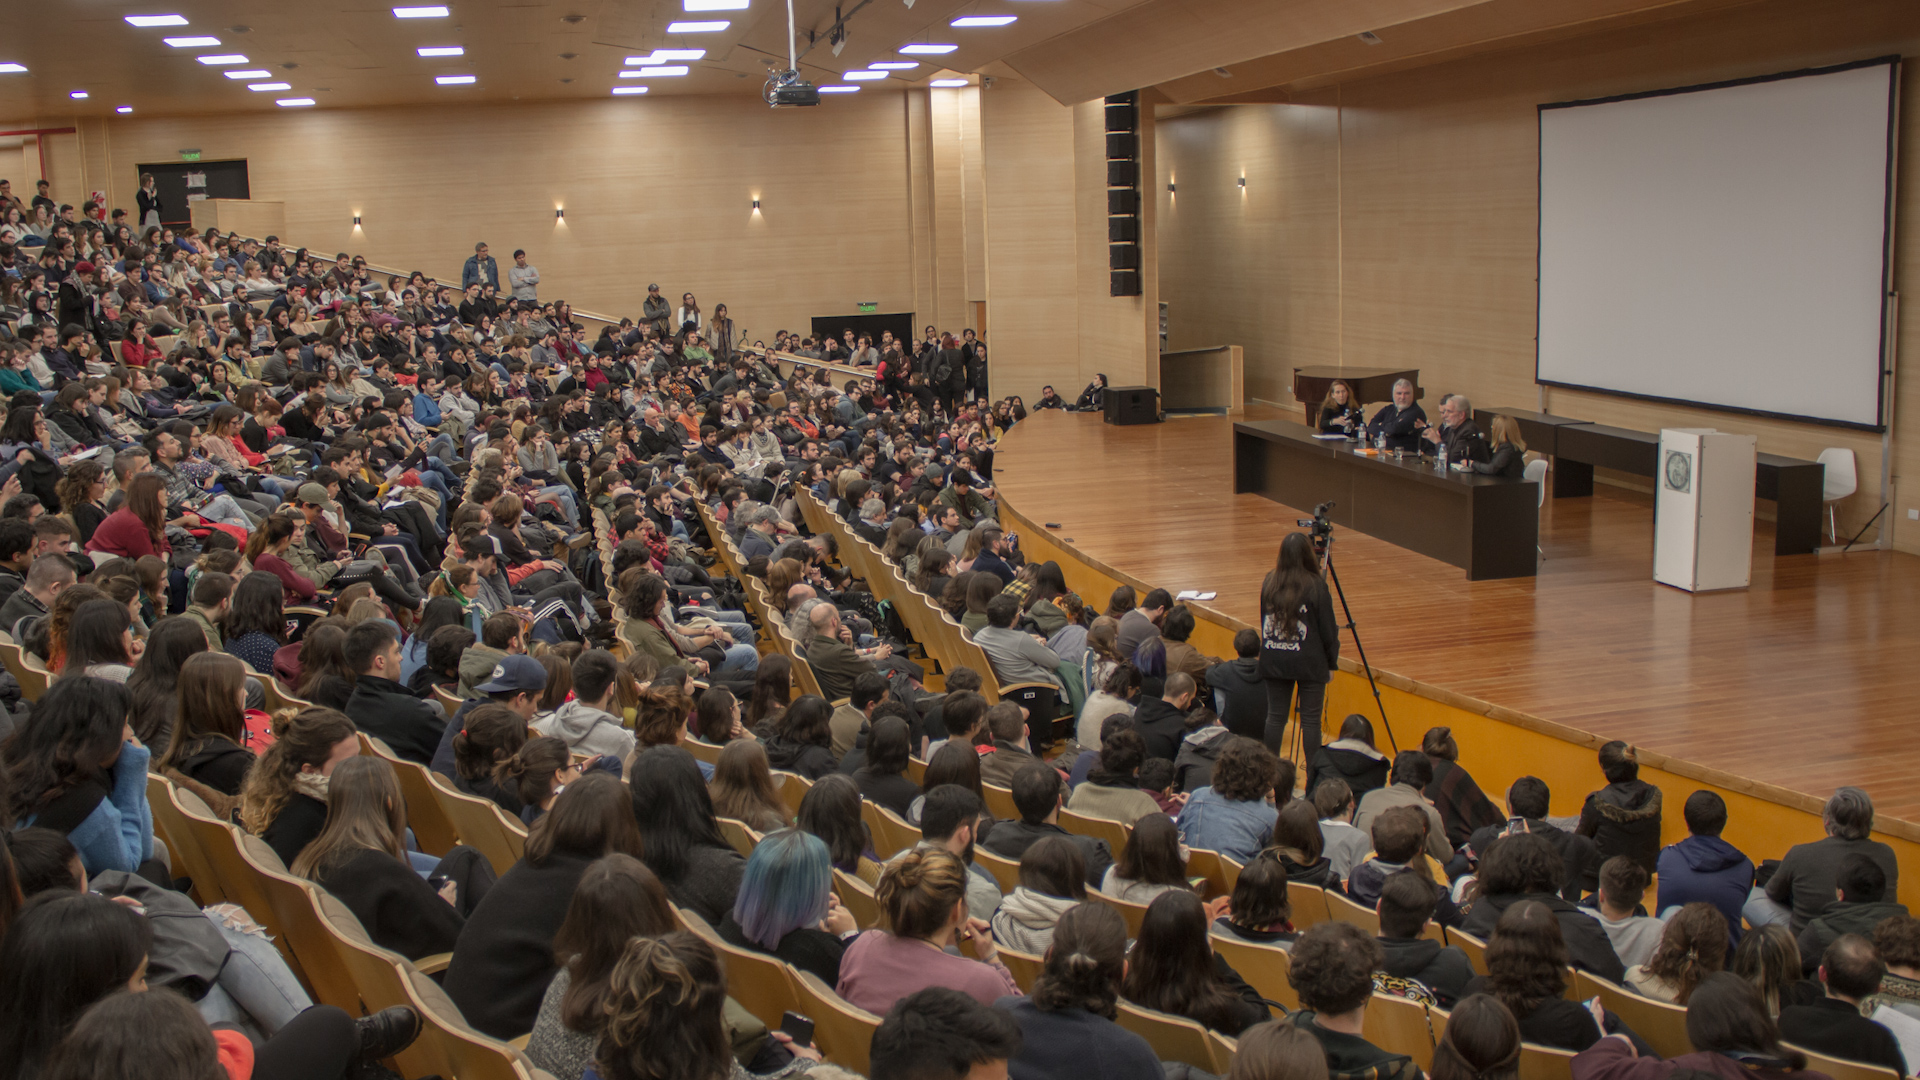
(1299, 641)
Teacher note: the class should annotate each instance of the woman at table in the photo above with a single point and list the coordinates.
(1340, 414)
(1509, 450)
(1401, 422)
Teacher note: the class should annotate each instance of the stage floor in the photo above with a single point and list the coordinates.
(1801, 680)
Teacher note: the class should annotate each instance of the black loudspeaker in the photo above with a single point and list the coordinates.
(1123, 257)
(1123, 174)
(1123, 202)
(1122, 117)
(1132, 405)
(1123, 230)
(1122, 145)
(1124, 283)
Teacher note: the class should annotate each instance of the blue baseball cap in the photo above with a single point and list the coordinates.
(514, 674)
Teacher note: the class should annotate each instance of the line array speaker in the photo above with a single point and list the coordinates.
(1123, 193)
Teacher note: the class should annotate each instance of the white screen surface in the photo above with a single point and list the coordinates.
(1721, 246)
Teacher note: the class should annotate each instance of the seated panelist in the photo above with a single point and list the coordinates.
(1509, 451)
(1340, 413)
(1458, 438)
(1400, 422)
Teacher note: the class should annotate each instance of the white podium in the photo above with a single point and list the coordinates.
(1703, 510)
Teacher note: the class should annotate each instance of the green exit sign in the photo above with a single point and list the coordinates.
(864, 307)
(189, 155)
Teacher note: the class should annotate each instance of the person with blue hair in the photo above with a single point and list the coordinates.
(786, 906)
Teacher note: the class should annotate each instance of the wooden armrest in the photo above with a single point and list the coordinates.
(430, 965)
(1008, 688)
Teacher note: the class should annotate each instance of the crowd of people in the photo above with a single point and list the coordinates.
(459, 527)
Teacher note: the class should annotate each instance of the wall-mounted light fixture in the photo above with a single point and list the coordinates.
(1243, 183)
(559, 214)
(756, 206)
(1171, 189)
(356, 221)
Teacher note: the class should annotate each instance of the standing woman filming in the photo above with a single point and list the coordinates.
(1299, 641)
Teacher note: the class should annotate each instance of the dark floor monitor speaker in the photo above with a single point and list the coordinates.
(1132, 405)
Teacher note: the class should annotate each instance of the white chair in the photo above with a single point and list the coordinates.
(1842, 480)
(1536, 471)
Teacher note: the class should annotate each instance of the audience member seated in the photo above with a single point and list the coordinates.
(1412, 773)
(1162, 721)
(1833, 1025)
(1345, 846)
(257, 623)
(1863, 904)
(1052, 879)
(505, 953)
(1692, 946)
(535, 774)
(850, 720)
(1299, 845)
(1462, 805)
(1112, 789)
(589, 724)
(1622, 818)
(1406, 904)
(1239, 693)
(1732, 1037)
(1200, 748)
(285, 798)
(1016, 656)
(1398, 836)
(617, 899)
(1007, 722)
(1173, 969)
(1527, 971)
(1153, 861)
(882, 773)
(53, 782)
(742, 788)
(1259, 909)
(380, 705)
(951, 817)
(1067, 1023)
(802, 739)
(787, 908)
(1527, 801)
(1036, 794)
(1768, 958)
(1897, 941)
(489, 737)
(1113, 696)
(209, 729)
(1803, 884)
(1525, 867)
(680, 840)
(1351, 758)
(923, 903)
(942, 1034)
(1331, 967)
(1480, 1042)
(830, 810)
(1234, 815)
(1622, 885)
(1703, 867)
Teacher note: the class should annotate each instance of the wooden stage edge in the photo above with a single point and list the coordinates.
(1152, 506)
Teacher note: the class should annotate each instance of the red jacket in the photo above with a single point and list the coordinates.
(126, 535)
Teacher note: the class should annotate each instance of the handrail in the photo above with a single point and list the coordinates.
(797, 360)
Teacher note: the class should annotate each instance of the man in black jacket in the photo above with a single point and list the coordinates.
(1527, 801)
(1036, 792)
(1457, 438)
(1833, 1025)
(1525, 866)
(1239, 694)
(1162, 721)
(1863, 905)
(1406, 903)
(380, 705)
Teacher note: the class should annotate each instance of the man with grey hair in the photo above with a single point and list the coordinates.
(1804, 883)
(872, 523)
(758, 539)
(1397, 425)
(1458, 438)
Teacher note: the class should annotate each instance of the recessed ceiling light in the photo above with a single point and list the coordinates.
(864, 76)
(455, 80)
(13, 69)
(659, 56)
(222, 60)
(698, 27)
(78, 95)
(433, 12)
(124, 109)
(259, 86)
(191, 42)
(839, 89)
(441, 50)
(895, 65)
(948, 82)
(157, 20)
(250, 73)
(983, 20)
(624, 90)
(716, 5)
(294, 102)
(927, 50)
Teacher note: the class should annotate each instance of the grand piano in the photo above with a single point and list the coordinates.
(1370, 385)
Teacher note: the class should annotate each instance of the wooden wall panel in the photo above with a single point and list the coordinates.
(949, 211)
(973, 201)
(1032, 287)
(654, 191)
(1428, 258)
(916, 109)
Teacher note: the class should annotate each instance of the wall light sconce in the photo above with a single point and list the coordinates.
(356, 221)
(1171, 189)
(1243, 184)
(756, 206)
(559, 214)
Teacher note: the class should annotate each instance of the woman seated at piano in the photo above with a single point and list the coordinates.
(1401, 422)
(1340, 414)
(1509, 450)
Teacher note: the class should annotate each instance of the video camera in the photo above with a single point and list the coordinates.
(1319, 526)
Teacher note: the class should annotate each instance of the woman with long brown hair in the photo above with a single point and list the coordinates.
(1340, 413)
(1509, 450)
(361, 857)
(208, 744)
(1527, 962)
(1692, 947)
(742, 788)
(1481, 1042)
(1173, 969)
(139, 527)
(772, 692)
(284, 801)
(82, 493)
(1299, 641)
(1068, 1021)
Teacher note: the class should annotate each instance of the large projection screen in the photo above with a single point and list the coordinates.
(1723, 245)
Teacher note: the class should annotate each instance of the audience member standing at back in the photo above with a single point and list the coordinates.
(1299, 641)
(1622, 818)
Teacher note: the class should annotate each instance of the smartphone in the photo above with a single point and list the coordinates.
(797, 1027)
